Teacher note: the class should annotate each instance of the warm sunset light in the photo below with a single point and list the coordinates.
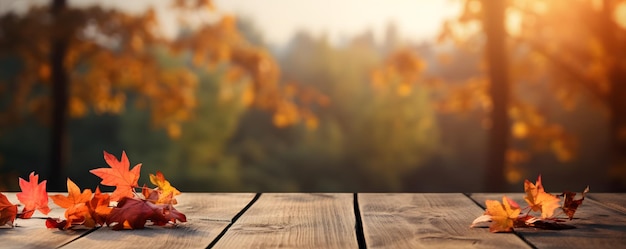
(315, 96)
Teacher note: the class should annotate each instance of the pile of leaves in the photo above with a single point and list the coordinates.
(507, 215)
(122, 209)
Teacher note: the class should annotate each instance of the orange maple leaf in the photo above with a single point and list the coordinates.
(8, 211)
(75, 203)
(167, 190)
(99, 207)
(503, 215)
(539, 200)
(33, 196)
(119, 176)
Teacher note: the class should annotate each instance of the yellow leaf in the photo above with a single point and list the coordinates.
(167, 190)
(503, 215)
(539, 200)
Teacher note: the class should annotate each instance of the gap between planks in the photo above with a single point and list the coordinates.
(358, 226)
(219, 236)
(79, 236)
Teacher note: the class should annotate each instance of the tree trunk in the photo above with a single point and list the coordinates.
(617, 102)
(615, 46)
(498, 140)
(58, 138)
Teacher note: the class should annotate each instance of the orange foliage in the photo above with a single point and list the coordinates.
(538, 33)
(400, 70)
(111, 53)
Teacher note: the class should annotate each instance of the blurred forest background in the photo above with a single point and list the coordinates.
(508, 90)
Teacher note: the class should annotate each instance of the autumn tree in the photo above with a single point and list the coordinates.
(488, 28)
(576, 47)
(80, 60)
(586, 55)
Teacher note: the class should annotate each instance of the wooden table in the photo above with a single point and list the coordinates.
(335, 220)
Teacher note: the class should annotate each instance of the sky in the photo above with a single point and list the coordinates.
(278, 20)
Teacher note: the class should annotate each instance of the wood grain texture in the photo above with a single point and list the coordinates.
(290, 220)
(612, 200)
(207, 215)
(597, 226)
(426, 221)
(32, 233)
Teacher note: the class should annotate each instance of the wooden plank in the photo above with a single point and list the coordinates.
(612, 200)
(426, 221)
(207, 215)
(290, 220)
(32, 233)
(596, 226)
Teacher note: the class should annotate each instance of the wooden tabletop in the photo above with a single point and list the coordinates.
(335, 220)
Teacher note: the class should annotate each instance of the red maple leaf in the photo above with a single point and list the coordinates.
(168, 210)
(570, 205)
(56, 223)
(119, 176)
(8, 211)
(33, 196)
(171, 214)
(133, 213)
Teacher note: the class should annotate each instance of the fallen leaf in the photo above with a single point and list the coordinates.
(151, 195)
(167, 190)
(172, 215)
(119, 176)
(503, 215)
(8, 211)
(77, 211)
(570, 205)
(33, 196)
(539, 200)
(167, 208)
(480, 219)
(133, 213)
(56, 223)
(549, 224)
(99, 207)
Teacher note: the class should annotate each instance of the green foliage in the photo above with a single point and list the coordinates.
(365, 140)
